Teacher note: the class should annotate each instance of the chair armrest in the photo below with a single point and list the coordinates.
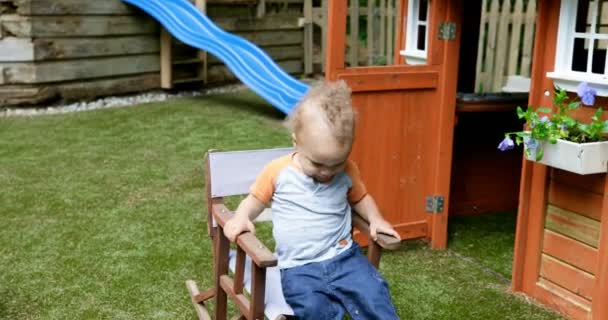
(384, 240)
(254, 248)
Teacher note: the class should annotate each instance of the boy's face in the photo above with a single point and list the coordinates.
(319, 154)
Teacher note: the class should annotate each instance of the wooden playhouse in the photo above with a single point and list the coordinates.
(407, 151)
(561, 249)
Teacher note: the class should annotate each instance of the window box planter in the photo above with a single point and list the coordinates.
(581, 158)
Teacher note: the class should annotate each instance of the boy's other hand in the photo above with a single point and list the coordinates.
(382, 226)
(236, 226)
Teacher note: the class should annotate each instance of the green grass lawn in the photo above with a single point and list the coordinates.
(101, 217)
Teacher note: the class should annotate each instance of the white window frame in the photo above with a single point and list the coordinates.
(563, 76)
(412, 54)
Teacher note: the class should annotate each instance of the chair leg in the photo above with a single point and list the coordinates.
(373, 253)
(198, 300)
(222, 246)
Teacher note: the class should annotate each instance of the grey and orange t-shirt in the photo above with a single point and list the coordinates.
(311, 220)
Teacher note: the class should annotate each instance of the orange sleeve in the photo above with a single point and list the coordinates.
(263, 187)
(357, 190)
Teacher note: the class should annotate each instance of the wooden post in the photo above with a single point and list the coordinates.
(500, 50)
(390, 28)
(166, 76)
(370, 32)
(354, 33)
(382, 51)
(599, 308)
(479, 69)
(324, 30)
(514, 50)
(308, 37)
(261, 9)
(335, 49)
(202, 5)
(526, 60)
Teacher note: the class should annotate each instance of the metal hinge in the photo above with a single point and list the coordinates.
(434, 204)
(447, 31)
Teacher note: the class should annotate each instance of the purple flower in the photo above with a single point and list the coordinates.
(532, 144)
(564, 127)
(506, 144)
(586, 93)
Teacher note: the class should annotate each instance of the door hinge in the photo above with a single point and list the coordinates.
(447, 31)
(434, 204)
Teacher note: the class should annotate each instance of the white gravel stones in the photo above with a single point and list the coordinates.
(115, 101)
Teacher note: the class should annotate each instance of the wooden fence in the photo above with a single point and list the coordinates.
(506, 35)
(371, 33)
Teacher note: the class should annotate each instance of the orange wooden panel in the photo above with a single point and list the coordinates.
(573, 225)
(592, 182)
(572, 198)
(561, 300)
(382, 81)
(565, 275)
(571, 251)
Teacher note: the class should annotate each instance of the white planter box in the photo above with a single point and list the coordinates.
(585, 158)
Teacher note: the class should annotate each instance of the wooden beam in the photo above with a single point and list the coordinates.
(28, 73)
(24, 50)
(166, 58)
(72, 7)
(76, 26)
(36, 94)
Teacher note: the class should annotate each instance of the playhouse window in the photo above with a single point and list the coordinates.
(581, 45)
(416, 32)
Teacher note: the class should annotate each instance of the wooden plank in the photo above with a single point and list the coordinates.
(575, 280)
(526, 60)
(16, 49)
(270, 38)
(308, 37)
(109, 86)
(280, 53)
(382, 37)
(479, 67)
(380, 81)
(76, 26)
(72, 7)
(570, 251)
(561, 300)
(268, 23)
(501, 52)
(220, 73)
(573, 225)
(390, 27)
(325, 27)
(490, 48)
(574, 199)
(23, 50)
(592, 183)
(202, 55)
(27, 73)
(25, 95)
(516, 25)
(354, 33)
(370, 33)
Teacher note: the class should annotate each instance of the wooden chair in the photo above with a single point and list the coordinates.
(253, 265)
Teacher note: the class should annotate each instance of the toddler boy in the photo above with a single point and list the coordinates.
(311, 192)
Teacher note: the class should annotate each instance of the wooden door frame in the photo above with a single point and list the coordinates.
(436, 72)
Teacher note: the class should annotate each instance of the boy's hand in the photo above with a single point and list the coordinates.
(236, 226)
(382, 226)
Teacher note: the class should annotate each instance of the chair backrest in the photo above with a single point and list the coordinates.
(233, 172)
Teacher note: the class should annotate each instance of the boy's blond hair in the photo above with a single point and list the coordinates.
(333, 100)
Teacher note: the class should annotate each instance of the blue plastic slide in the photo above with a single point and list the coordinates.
(247, 61)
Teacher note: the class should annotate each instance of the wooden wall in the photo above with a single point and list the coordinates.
(561, 244)
(73, 49)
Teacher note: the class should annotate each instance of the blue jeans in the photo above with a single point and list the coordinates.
(347, 282)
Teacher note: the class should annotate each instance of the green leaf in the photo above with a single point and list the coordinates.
(573, 105)
(543, 110)
(539, 153)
